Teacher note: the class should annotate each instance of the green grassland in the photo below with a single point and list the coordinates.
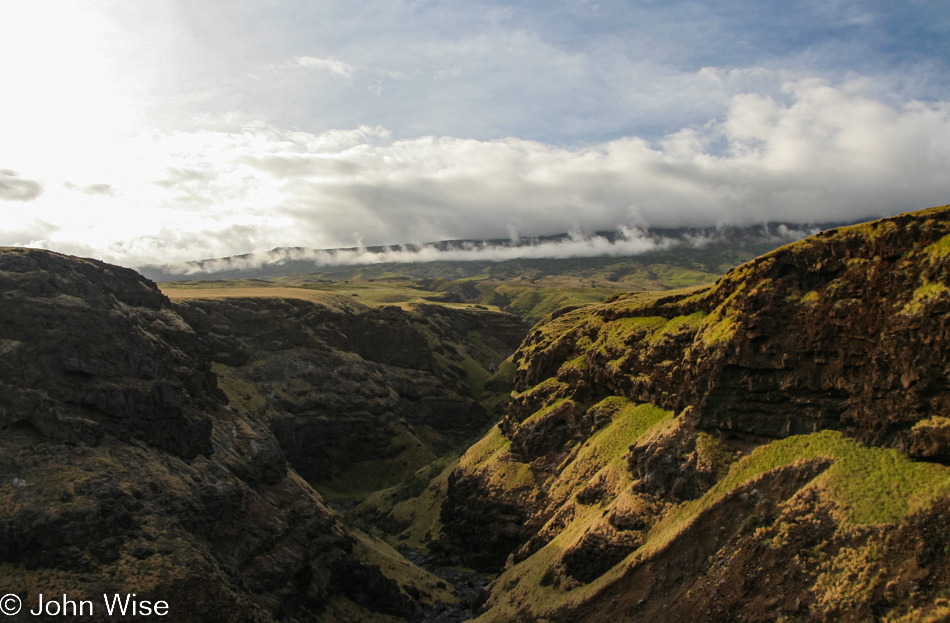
(530, 300)
(868, 486)
(529, 288)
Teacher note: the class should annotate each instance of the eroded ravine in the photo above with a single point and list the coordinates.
(771, 447)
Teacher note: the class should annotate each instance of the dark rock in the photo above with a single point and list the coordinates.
(123, 469)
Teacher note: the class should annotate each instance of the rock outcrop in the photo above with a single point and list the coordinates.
(757, 450)
(358, 398)
(844, 330)
(123, 470)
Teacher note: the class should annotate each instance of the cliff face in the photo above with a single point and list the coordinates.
(90, 350)
(765, 447)
(843, 330)
(123, 469)
(358, 398)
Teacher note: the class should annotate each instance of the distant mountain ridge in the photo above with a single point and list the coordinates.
(407, 258)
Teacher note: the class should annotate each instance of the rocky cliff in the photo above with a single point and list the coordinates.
(767, 448)
(138, 454)
(358, 398)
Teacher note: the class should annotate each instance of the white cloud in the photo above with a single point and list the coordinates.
(630, 242)
(15, 188)
(92, 189)
(328, 64)
(808, 152)
(30, 234)
(626, 241)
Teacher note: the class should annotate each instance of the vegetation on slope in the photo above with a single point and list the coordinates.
(799, 383)
(359, 398)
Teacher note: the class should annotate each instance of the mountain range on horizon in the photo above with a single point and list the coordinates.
(622, 242)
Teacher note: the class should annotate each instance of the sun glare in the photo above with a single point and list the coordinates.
(65, 99)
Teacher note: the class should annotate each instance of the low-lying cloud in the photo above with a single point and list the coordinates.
(830, 153)
(624, 242)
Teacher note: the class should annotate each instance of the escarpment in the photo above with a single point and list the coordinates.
(124, 470)
(755, 449)
(358, 398)
(843, 330)
(91, 349)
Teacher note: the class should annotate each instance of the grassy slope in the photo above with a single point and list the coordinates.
(869, 486)
(410, 510)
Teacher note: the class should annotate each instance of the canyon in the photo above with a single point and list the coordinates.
(770, 446)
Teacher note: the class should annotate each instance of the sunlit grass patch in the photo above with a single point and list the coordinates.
(678, 326)
(924, 296)
(939, 249)
(850, 578)
(870, 485)
(511, 475)
(616, 337)
(484, 450)
(607, 447)
(940, 613)
(394, 566)
(720, 330)
(936, 421)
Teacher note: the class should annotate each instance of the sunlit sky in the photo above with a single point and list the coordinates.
(160, 131)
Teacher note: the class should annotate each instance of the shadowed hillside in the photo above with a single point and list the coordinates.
(145, 445)
(358, 398)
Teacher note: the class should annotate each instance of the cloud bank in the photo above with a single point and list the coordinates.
(624, 242)
(169, 130)
(826, 153)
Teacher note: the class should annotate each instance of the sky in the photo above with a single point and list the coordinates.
(170, 130)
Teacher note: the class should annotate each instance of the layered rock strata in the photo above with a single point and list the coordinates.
(759, 449)
(123, 469)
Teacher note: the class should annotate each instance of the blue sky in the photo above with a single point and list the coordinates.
(170, 130)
